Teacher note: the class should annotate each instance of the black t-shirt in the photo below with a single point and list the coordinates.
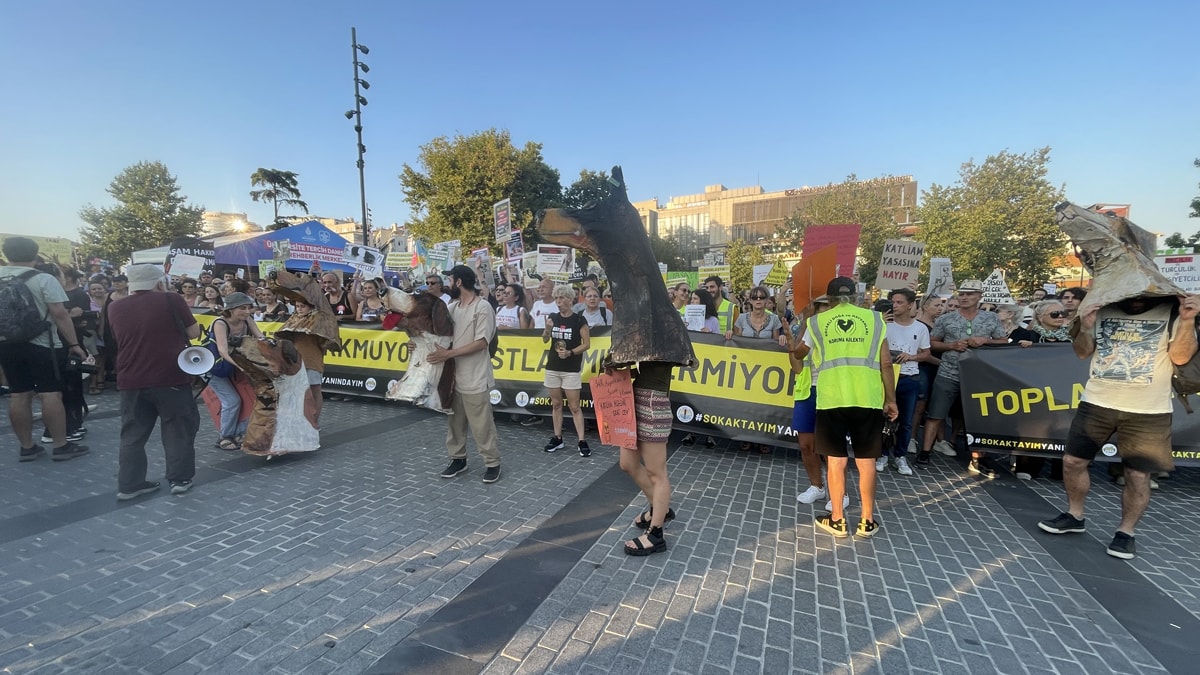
(565, 330)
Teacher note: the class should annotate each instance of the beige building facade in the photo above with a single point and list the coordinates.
(720, 215)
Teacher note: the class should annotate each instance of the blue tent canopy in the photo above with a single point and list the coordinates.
(309, 241)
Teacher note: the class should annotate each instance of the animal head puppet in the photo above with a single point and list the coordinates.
(321, 321)
(646, 326)
(1117, 253)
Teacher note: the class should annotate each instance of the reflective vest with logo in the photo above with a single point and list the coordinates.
(846, 343)
(725, 315)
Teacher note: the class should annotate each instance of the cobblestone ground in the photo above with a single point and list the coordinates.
(325, 563)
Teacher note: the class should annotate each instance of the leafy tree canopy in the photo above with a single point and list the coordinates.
(850, 201)
(461, 178)
(592, 186)
(149, 212)
(278, 187)
(1176, 240)
(999, 214)
(742, 257)
(669, 252)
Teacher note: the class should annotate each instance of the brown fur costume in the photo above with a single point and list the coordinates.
(646, 326)
(428, 324)
(283, 419)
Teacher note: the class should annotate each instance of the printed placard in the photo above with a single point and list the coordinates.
(995, 290)
(502, 219)
(554, 259)
(941, 278)
(694, 316)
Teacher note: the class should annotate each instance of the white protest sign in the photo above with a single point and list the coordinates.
(553, 259)
(941, 278)
(1183, 270)
(365, 259)
(184, 265)
(760, 273)
(995, 290)
(900, 264)
(693, 316)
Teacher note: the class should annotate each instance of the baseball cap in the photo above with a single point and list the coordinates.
(237, 300)
(821, 300)
(144, 276)
(840, 286)
(971, 286)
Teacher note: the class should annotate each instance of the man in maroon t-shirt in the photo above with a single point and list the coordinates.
(151, 328)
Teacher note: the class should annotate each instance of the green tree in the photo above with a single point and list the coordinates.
(669, 252)
(1176, 240)
(1196, 200)
(462, 177)
(592, 186)
(278, 187)
(851, 201)
(149, 212)
(741, 257)
(999, 214)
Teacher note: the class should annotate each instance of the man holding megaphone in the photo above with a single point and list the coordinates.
(152, 327)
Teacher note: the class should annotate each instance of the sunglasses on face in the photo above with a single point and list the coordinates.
(758, 297)
(1058, 315)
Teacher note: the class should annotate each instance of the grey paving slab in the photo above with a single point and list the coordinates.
(336, 562)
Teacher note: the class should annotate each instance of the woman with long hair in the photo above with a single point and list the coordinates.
(210, 298)
(711, 325)
(371, 305)
(512, 314)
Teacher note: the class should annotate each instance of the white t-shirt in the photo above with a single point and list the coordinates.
(909, 339)
(540, 311)
(603, 316)
(509, 317)
(1131, 369)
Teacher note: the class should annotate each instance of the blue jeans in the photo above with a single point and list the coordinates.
(231, 407)
(908, 392)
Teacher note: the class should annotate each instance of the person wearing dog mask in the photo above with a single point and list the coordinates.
(151, 326)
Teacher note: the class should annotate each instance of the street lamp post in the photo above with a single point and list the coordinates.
(356, 115)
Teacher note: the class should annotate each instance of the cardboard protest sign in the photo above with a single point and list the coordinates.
(900, 264)
(778, 275)
(759, 273)
(502, 219)
(612, 395)
(995, 290)
(812, 274)
(941, 278)
(845, 237)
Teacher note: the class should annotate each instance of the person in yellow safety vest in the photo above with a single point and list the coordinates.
(727, 312)
(850, 352)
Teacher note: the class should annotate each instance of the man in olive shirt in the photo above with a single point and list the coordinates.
(474, 325)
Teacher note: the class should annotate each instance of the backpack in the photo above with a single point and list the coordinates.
(1186, 378)
(20, 320)
(494, 345)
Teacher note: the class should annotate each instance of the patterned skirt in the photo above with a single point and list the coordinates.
(653, 410)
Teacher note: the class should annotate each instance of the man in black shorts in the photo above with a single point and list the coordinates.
(850, 352)
(1132, 345)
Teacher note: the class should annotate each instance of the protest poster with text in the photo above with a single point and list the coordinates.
(502, 219)
(758, 274)
(845, 237)
(900, 264)
(995, 290)
(514, 246)
(553, 259)
(365, 259)
(189, 256)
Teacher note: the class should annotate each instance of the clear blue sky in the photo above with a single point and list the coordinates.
(781, 94)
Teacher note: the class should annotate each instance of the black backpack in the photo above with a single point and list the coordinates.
(1186, 378)
(20, 320)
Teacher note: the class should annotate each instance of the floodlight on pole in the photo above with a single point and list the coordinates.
(356, 115)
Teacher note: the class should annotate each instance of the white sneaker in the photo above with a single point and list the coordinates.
(812, 494)
(903, 467)
(946, 448)
(881, 464)
(913, 447)
(845, 504)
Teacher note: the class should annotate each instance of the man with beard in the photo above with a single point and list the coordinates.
(474, 325)
(1132, 345)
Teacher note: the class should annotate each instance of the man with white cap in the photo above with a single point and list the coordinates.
(954, 333)
(151, 327)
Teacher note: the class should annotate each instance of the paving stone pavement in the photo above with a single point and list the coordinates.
(325, 563)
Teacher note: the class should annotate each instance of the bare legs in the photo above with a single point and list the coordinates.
(20, 415)
(1077, 482)
(647, 466)
(810, 459)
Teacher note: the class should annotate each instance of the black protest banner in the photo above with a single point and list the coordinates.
(1023, 400)
(188, 256)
